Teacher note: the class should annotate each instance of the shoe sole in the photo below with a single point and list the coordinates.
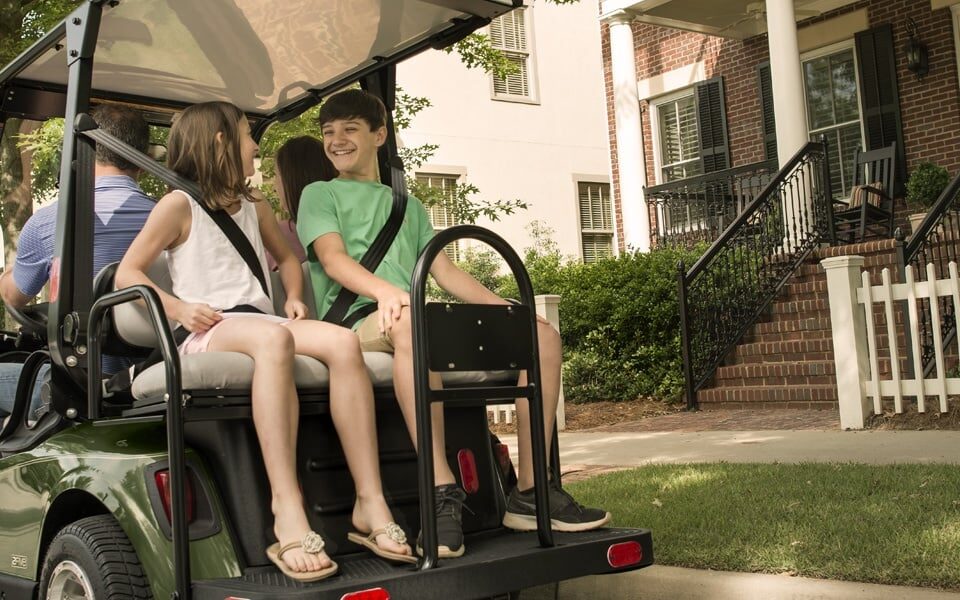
(529, 523)
(444, 552)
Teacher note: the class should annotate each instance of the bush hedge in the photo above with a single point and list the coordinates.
(619, 318)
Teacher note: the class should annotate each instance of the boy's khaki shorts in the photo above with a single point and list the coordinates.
(371, 340)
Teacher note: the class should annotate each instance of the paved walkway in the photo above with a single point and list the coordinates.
(737, 436)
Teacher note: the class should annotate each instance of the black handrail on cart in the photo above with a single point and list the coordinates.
(425, 397)
(174, 397)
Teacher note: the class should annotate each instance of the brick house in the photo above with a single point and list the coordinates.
(695, 88)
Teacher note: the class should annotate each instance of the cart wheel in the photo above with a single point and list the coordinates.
(92, 559)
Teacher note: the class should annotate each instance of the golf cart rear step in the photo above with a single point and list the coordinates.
(493, 560)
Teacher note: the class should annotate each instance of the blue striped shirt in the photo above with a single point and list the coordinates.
(121, 209)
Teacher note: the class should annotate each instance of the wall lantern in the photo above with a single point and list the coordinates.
(917, 54)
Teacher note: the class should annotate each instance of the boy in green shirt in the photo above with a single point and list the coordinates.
(337, 222)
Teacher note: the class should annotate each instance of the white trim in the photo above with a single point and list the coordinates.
(671, 81)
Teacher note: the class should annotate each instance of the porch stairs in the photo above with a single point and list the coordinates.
(786, 359)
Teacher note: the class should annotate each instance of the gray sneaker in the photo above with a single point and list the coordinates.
(566, 514)
(449, 499)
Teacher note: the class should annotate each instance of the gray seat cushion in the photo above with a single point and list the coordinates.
(234, 371)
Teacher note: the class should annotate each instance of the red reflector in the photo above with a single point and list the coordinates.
(503, 457)
(624, 554)
(55, 279)
(162, 479)
(371, 594)
(468, 471)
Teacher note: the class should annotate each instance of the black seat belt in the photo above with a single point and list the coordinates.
(337, 313)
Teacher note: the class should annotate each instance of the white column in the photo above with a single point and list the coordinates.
(629, 134)
(849, 328)
(548, 307)
(787, 77)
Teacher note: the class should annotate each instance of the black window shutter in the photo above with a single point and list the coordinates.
(712, 124)
(766, 108)
(877, 64)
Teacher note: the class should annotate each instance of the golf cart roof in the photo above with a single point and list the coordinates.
(269, 58)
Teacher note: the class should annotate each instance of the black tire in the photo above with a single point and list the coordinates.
(93, 557)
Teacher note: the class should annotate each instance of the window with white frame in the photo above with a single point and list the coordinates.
(678, 135)
(596, 220)
(509, 35)
(441, 215)
(833, 110)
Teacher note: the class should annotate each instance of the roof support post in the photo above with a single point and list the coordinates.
(631, 164)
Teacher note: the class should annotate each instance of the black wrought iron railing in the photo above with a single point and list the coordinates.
(936, 241)
(728, 288)
(700, 208)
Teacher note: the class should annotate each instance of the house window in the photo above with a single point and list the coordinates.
(833, 111)
(509, 35)
(679, 137)
(596, 222)
(441, 215)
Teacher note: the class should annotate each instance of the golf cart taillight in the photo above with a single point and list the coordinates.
(468, 471)
(624, 554)
(371, 594)
(162, 479)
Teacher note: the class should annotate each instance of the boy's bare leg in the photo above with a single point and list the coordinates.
(276, 410)
(550, 362)
(353, 412)
(403, 384)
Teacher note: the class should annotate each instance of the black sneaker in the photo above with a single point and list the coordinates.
(449, 499)
(565, 513)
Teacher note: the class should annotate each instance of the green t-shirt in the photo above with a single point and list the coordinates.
(357, 211)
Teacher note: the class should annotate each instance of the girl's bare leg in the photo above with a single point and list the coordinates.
(276, 411)
(353, 412)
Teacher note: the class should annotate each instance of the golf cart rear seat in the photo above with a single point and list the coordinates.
(226, 372)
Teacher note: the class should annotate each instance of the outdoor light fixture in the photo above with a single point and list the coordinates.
(917, 53)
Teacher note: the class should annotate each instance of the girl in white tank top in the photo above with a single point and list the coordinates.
(210, 277)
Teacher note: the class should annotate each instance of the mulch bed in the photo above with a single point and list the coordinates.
(596, 414)
(910, 419)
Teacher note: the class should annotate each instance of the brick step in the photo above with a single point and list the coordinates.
(809, 290)
(774, 352)
(767, 396)
(793, 325)
(807, 308)
(753, 336)
(819, 372)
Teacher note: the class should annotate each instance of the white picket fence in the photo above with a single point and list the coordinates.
(548, 307)
(853, 299)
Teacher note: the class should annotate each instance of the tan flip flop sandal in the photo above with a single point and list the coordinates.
(392, 531)
(312, 544)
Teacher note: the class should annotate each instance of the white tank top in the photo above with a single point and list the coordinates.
(206, 268)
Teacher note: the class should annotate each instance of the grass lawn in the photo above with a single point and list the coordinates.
(882, 524)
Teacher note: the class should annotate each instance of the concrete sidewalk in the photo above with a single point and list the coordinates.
(590, 451)
(871, 447)
(673, 583)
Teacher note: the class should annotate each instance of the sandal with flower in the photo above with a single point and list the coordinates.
(394, 532)
(312, 544)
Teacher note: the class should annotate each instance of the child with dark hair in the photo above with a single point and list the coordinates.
(221, 303)
(337, 222)
(298, 163)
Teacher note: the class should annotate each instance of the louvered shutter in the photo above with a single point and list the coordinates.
(508, 34)
(596, 221)
(766, 107)
(880, 98)
(714, 153)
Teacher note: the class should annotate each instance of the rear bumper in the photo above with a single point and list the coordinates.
(495, 563)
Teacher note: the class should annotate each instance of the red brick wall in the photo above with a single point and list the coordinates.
(930, 109)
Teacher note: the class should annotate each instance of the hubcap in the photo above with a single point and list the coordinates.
(69, 582)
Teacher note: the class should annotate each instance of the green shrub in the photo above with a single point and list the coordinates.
(925, 185)
(620, 324)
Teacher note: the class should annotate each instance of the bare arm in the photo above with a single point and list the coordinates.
(11, 294)
(460, 284)
(167, 226)
(287, 263)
